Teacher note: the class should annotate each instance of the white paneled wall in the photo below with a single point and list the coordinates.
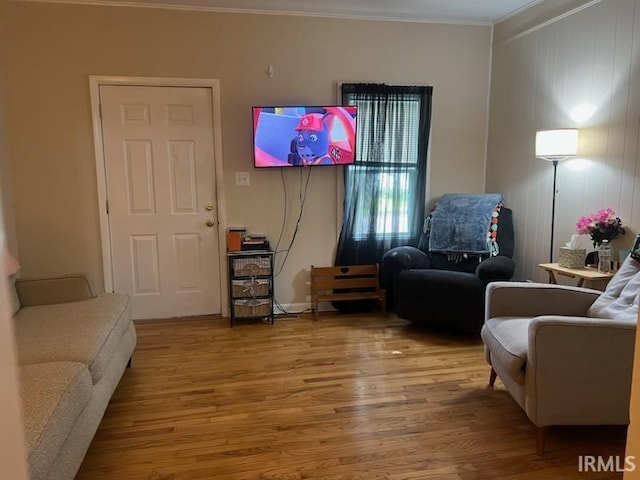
(580, 71)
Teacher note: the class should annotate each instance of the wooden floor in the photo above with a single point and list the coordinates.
(347, 397)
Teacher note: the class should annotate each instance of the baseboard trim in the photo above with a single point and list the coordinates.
(298, 308)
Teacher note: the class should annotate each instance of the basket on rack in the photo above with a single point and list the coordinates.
(251, 266)
(255, 287)
(252, 308)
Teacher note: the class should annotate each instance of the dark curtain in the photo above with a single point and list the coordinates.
(385, 188)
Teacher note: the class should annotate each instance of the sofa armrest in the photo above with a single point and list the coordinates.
(45, 291)
(495, 268)
(524, 299)
(579, 370)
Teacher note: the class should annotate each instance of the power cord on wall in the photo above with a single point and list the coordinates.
(302, 195)
(284, 215)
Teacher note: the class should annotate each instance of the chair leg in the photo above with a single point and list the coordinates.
(540, 437)
(492, 377)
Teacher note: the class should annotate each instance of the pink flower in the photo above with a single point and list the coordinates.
(602, 225)
(583, 225)
(604, 215)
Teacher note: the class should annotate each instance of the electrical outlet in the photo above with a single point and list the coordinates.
(243, 179)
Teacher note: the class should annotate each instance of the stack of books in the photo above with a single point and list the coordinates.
(255, 241)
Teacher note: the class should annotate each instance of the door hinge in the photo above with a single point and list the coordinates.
(107, 205)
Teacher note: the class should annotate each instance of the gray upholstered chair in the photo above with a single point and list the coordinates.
(564, 353)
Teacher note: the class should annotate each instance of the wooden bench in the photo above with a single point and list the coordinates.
(349, 282)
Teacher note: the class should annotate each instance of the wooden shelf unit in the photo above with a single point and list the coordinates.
(250, 285)
(349, 282)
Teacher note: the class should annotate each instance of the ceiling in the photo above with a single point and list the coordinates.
(446, 11)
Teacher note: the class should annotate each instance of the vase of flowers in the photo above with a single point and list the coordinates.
(602, 225)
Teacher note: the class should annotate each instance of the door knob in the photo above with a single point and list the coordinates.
(210, 223)
(208, 207)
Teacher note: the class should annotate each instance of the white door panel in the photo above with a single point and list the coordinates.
(159, 167)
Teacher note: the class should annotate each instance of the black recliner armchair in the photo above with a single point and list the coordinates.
(432, 289)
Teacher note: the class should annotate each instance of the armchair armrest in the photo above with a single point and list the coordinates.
(535, 299)
(395, 261)
(45, 291)
(495, 268)
(407, 257)
(579, 370)
(401, 258)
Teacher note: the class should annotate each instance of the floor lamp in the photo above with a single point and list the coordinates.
(554, 146)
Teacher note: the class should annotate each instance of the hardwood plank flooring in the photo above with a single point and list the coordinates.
(343, 398)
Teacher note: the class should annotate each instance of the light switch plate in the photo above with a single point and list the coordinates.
(243, 179)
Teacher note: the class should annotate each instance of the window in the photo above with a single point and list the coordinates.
(389, 162)
(385, 188)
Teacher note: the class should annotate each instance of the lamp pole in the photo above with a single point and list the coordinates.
(553, 207)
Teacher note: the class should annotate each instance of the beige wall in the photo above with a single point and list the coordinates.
(586, 62)
(53, 48)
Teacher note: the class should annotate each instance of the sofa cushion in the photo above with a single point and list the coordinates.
(620, 299)
(13, 295)
(506, 338)
(87, 331)
(61, 289)
(11, 269)
(53, 396)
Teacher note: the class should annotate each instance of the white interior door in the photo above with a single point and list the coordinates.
(160, 176)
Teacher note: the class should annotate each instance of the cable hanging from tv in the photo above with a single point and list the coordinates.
(302, 195)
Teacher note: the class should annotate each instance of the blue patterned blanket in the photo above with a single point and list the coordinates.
(460, 223)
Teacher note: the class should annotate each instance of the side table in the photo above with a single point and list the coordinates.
(587, 277)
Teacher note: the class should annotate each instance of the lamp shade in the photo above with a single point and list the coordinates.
(557, 144)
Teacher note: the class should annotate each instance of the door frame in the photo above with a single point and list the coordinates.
(95, 81)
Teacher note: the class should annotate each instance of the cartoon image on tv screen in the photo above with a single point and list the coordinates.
(297, 136)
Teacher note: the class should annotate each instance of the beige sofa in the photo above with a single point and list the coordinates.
(73, 347)
(564, 353)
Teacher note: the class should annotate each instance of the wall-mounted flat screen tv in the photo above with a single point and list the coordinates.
(304, 135)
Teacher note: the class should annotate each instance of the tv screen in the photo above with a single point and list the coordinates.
(304, 135)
